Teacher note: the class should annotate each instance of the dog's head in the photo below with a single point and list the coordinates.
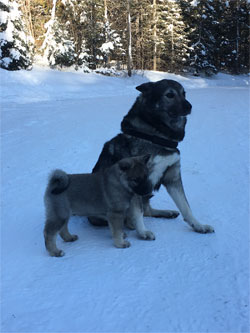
(166, 96)
(135, 172)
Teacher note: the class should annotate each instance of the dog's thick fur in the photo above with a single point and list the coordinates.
(104, 194)
(155, 124)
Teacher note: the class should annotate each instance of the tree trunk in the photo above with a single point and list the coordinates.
(154, 36)
(237, 39)
(172, 47)
(129, 40)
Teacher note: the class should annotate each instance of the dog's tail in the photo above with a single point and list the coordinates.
(58, 182)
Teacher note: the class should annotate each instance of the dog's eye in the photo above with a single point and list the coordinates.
(170, 95)
(184, 93)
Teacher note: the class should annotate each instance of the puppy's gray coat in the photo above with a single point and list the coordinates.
(106, 195)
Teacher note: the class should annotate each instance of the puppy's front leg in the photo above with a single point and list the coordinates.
(135, 217)
(116, 221)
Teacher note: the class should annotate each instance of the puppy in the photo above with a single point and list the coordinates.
(104, 194)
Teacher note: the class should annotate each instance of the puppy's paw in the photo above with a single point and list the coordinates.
(147, 235)
(58, 253)
(122, 245)
(73, 238)
(129, 224)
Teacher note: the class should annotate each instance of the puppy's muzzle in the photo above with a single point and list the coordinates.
(143, 188)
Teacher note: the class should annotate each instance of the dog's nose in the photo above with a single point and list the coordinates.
(187, 106)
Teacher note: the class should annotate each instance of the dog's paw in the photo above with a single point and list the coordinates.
(147, 235)
(173, 214)
(122, 245)
(203, 228)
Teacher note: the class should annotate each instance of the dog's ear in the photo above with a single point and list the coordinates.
(146, 158)
(145, 87)
(125, 164)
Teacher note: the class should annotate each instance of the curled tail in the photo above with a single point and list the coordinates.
(58, 182)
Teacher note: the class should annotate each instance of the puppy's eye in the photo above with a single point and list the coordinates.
(184, 93)
(170, 95)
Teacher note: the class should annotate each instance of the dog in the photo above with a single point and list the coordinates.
(104, 194)
(154, 125)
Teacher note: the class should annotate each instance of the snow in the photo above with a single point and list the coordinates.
(182, 281)
(106, 47)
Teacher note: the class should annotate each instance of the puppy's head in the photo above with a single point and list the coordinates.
(135, 173)
(166, 96)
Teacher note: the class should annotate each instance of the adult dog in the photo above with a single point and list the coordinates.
(155, 124)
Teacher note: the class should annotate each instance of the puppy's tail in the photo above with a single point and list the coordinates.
(58, 182)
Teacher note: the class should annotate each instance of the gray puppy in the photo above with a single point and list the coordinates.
(105, 194)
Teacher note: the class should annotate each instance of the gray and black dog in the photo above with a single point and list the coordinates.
(104, 194)
(154, 125)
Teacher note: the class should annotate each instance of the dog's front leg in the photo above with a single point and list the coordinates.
(135, 217)
(173, 182)
(152, 212)
(116, 221)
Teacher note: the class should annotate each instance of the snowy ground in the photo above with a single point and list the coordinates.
(182, 281)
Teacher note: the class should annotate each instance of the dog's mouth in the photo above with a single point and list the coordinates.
(182, 111)
(176, 115)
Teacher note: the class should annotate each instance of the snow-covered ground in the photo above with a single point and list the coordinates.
(182, 281)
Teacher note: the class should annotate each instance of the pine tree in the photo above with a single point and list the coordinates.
(16, 45)
(40, 11)
(203, 22)
(234, 42)
(172, 39)
(64, 43)
(112, 40)
(142, 33)
(119, 15)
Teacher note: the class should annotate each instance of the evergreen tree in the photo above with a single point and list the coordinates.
(112, 41)
(203, 22)
(234, 42)
(142, 33)
(64, 43)
(172, 38)
(40, 11)
(16, 46)
(171, 35)
(118, 15)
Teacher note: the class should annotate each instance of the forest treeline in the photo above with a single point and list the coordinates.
(197, 36)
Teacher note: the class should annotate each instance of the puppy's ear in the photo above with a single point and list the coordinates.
(145, 87)
(125, 164)
(146, 158)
